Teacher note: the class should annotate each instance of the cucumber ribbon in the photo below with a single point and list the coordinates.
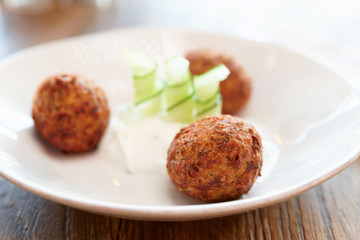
(182, 97)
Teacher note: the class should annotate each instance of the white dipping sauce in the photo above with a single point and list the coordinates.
(142, 146)
(145, 143)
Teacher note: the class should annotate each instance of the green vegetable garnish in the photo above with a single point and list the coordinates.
(181, 97)
(148, 86)
(179, 91)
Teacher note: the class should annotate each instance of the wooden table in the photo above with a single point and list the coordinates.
(329, 211)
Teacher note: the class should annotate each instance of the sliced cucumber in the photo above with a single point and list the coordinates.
(154, 95)
(147, 89)
(150, 106)
(184, 110)
(176, 94)
(179, 84)
(141, 64)
(207, 84)
(177, 71)
(179, 91)
(182, 98)
(148, 86)
(132, 113)
(209, 108)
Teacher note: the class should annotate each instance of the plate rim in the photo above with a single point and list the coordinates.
(184, 212)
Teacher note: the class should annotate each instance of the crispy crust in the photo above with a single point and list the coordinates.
(70, 113)
(215, 159)
(235, 90)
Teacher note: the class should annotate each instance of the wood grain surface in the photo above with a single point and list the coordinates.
(329, 211)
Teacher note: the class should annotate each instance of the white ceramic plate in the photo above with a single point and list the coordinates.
(307, 115)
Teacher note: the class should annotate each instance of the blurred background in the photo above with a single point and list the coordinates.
(327, 29)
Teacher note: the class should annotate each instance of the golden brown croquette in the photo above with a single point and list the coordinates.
(215, 159)
(235, 89)
(70, 113)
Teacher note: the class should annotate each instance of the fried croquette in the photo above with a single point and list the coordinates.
(235, 90)
(70, 113)
(215, 159)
